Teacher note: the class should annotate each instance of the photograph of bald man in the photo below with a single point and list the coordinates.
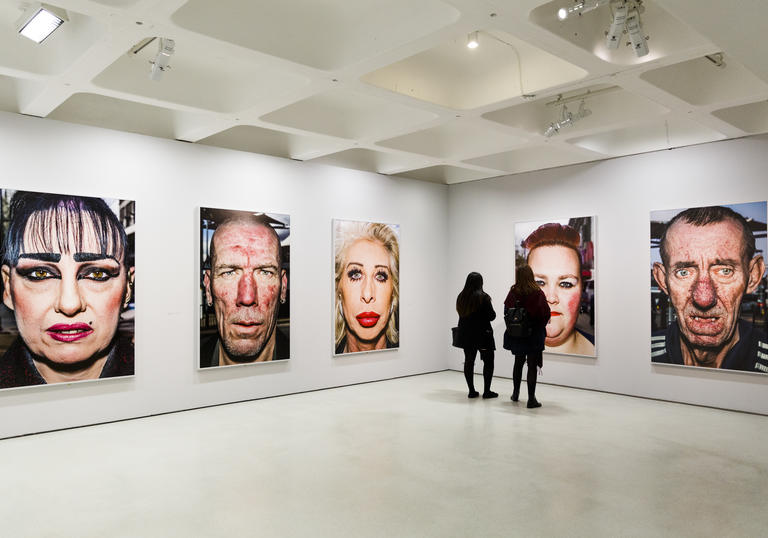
(244, 287)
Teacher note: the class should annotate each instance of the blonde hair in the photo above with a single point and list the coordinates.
(347, 234)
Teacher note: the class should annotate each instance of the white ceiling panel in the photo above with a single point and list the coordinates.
(389, 86)
(324, 34)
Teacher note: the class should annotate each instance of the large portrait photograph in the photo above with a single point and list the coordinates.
(708, 287)
(244, 295)
(561, 253)
(68, 307)
(366, 287)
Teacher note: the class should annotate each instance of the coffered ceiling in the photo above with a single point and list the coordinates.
(389, 86)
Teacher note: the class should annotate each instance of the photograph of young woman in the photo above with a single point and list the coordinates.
(561, 255)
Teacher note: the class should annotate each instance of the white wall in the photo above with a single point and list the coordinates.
(621, 193)
(169, 181)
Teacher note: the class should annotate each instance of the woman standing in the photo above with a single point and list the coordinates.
(475, 315)
(527, 293)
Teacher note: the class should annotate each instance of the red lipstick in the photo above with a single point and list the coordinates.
(553, 314)
(69, 332)
(368, 319)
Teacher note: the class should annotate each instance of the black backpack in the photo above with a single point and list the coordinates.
(518, 321)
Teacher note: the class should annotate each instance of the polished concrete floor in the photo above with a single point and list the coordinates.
(406, 457)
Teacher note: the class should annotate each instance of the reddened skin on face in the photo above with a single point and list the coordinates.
(706, 278)
(245, 286)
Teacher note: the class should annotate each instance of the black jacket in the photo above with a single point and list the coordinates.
(475, 328)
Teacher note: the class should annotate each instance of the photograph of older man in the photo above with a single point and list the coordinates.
(709, 264)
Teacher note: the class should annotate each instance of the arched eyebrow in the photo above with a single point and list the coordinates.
(377, 266)
(54, 257)
(92, 257)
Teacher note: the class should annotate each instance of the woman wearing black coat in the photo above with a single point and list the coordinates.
(528, 294)
(475, 315)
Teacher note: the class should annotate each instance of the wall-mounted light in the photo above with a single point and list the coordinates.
(39, 21)
(472, 42)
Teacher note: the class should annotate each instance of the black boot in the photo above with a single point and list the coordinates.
(487, 357)
(532, 401)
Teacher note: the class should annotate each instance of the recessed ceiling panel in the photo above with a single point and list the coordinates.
(269, 142)
(534, 158)
(348, 114)
(54, 55)
(372, 161)
(199, 77)
(701, 82)
(666, 34)
(324, 34)
(8, 100)
(670, 133)
(456, 140)
(101, 111)
(116, 3)
(454, 76)
(751, 118)
(606, 105)
(446, 174)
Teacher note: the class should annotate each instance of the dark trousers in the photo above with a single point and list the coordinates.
(486, 355)
(534, 359)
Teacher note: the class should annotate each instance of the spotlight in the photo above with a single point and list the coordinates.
(39, 21)
(636, 37)
(472, 42)
(567, 119)
(613, 37)
(580, 7)
(161, 62)
(552, 130)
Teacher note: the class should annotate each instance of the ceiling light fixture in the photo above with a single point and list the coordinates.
(625, 19)
(472, 42)
(39, 21)
(613, 37)
(636, 37)
(160, 64)
(579, 8)
(567, 119)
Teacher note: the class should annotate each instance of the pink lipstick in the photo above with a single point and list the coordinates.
(69, 332)
(368, 319)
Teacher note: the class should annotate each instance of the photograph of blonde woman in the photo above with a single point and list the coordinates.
(67, 276)
(367, 291)
(561, 254)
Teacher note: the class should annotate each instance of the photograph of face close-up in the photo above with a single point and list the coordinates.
(68, 288)
(561, 254)
(708, 287)
(367, 291)
(244, 296)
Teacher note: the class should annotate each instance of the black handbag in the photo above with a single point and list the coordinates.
(457, 337)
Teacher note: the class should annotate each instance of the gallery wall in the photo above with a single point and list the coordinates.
(169, 180)
(621, 193)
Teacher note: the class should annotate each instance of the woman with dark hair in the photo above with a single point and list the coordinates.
(527, 293)
(475, 315)
(67, 277)
(554, 257)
